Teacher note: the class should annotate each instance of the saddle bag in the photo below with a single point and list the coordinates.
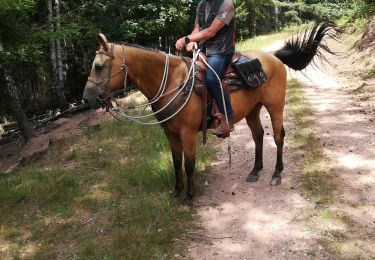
(251, 73)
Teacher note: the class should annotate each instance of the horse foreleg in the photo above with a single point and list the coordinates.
(279, 134)
(189, 143)
(253, 121)
(177, 163)
(176, 147)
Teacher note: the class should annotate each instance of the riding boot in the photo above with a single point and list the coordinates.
(219, 130)
(224, 128)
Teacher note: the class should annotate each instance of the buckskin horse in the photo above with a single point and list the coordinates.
(145, 68)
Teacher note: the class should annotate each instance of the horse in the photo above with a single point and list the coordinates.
(145, 67)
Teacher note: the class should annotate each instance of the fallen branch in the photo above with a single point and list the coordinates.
(90, 219)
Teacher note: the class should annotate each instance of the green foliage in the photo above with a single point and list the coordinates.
(306, 10)
(292, 16)
(25, 34)
(254, 17)
(365, 8)
(330, 11)
(371, 73)
(16, 15)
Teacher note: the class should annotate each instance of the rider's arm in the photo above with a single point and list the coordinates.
(196, 29)
(197, 36)
(207, 33)
(224, 17)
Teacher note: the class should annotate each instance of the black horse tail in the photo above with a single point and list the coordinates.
(301, 49)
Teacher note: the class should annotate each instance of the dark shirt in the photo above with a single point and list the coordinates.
(223, 41)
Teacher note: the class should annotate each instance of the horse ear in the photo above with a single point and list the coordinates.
(103, 41)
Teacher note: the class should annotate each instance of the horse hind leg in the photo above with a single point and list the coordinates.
(253, 121)
(279, 134)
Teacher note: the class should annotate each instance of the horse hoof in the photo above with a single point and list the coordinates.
(175, 195)
(275, 181)
(252, 178)
(187, 202)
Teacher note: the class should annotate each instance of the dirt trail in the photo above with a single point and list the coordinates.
(348, 138)
(243, 220)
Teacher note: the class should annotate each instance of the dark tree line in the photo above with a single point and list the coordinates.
(46, 47)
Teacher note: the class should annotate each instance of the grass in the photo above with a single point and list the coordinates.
(370, 73)
(104, 196)
(354, 27)
(259, 42)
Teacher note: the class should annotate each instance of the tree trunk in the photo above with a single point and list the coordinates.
(276, 18)
(252, 19)
(60, 66)
(56, 55)
(15, 104)
(52, 45)
(254, 23)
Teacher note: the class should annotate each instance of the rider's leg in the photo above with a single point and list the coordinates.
(219, 63)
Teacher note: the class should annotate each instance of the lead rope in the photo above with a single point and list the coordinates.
(161, 90)
(225, 110)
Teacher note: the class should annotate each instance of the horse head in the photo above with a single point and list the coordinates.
(108, 72)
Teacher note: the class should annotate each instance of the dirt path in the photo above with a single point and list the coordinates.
(243, 220)
(252, 221)
(347, 134)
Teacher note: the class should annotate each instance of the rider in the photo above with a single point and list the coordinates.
(214, 30)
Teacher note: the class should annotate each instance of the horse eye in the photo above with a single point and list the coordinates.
(99, 67)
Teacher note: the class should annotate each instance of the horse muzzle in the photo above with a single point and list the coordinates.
(91, 94)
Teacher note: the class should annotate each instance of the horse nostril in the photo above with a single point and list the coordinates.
(101, 97)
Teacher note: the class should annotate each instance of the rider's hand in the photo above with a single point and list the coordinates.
(191, 46)
(180, 44)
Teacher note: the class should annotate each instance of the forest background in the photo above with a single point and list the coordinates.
(47, 46)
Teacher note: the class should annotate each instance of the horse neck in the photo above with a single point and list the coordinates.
(146, 69)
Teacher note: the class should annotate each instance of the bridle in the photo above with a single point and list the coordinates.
(104, 97)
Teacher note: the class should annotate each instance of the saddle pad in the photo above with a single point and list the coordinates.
(251, 73)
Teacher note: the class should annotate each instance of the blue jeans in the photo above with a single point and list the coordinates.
(219, 63)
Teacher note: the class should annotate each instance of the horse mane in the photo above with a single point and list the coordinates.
(174, 59)
(138, 47)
